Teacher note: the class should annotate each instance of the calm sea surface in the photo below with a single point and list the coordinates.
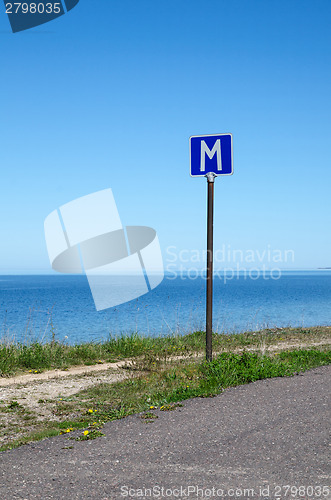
(31, 306)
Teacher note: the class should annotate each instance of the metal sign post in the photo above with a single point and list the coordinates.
(210, 236)
(210, 156)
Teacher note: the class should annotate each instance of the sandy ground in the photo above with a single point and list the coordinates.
(55, 387)
(60, 374)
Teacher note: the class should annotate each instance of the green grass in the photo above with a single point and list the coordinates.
(188, 379)
(162, 387)
(18, 357)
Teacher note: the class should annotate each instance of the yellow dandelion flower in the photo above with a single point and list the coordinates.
(90, 410)
(85, 433)
(151, 407)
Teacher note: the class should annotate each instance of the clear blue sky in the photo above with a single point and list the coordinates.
(109, 94)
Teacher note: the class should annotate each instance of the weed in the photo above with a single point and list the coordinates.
(170, 407)
(89, 435)
(149, 415)
(14, 405)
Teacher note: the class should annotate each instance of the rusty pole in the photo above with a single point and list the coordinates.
(209, 298)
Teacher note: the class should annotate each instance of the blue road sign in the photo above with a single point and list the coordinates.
(211, 153)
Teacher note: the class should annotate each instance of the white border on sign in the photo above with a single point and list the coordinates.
(211, 135)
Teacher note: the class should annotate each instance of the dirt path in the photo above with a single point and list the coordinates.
(60, 374)
(58, 387)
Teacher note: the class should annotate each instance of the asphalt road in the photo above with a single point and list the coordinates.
(252, 441)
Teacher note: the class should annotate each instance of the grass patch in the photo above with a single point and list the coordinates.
(37, 357)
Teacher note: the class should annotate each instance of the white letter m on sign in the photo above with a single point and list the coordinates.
(206, 151)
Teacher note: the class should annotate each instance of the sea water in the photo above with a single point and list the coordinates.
(39, 307)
